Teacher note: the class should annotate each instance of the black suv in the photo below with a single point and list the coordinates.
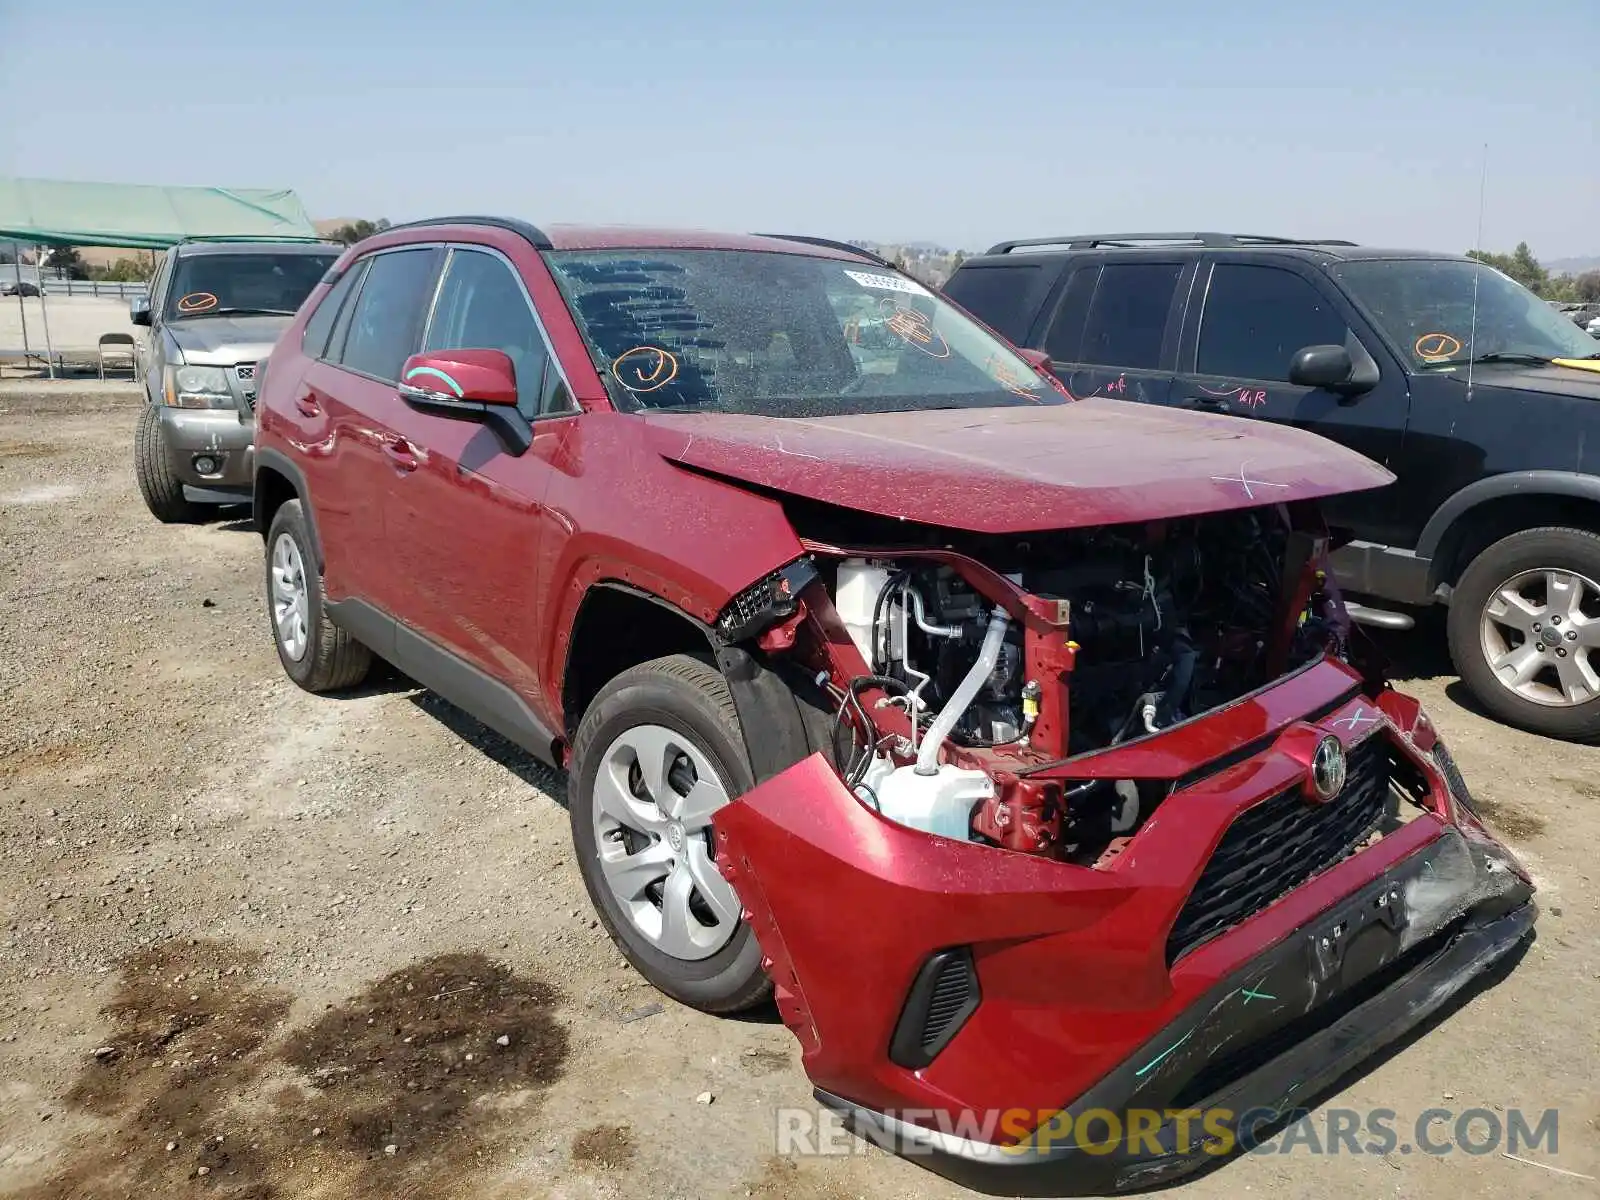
(1480, 397)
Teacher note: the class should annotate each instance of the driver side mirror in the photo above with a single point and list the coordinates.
(139, 311)
(1334, 368)
(468, 385)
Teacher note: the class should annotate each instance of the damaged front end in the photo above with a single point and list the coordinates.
(1106, 820)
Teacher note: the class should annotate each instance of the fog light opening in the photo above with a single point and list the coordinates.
(205, 464)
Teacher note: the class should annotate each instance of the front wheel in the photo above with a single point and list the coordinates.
(315, 652)
(657, 753)
(158, 484)
(1525, 631)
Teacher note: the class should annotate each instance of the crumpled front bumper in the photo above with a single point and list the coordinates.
(1263, 1041)
(1073, 999)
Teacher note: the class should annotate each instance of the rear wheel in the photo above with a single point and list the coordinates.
(1525, 631)
(315, 652)
(162, 490)
(658, 752)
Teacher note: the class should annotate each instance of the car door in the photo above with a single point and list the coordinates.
(1113, 331)
(465, 530)
(345, 406)
(1250, 320)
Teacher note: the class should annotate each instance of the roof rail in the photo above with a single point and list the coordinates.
(532, 234)
(831, 244)
(1090, 241)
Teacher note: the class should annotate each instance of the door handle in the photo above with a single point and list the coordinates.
(1214, 404)
(401, 454)
(308, 406)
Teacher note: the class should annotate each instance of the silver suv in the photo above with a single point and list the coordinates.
(214, 311)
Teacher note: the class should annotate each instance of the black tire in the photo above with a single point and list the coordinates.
(162, 490)
(332, 660)
(1556, 548)
(690, 696)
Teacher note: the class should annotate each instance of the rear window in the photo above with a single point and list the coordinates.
(1003, 298)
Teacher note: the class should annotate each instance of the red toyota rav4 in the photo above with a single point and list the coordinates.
(1015, 742)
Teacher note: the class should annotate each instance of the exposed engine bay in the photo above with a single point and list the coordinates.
(981, 671)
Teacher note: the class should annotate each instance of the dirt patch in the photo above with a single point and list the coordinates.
(403, 1064)
(606, 1146)
(41, 758)
(764, 1062)
(197, 1086)
(786, 1179)
(27, 450)
(1513, 822)
(1583, 789)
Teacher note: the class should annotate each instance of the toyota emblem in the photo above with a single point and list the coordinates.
(1328, 769)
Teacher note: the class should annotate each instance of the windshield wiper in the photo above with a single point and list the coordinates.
(1497, 356)
(243, 312)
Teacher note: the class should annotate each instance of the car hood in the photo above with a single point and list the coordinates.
(223, 341)
(1552, 380)
(1008, 470)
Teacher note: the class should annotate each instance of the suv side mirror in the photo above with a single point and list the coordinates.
(139, 311)
(1328, 367)
(468, 385)
(1040, 360)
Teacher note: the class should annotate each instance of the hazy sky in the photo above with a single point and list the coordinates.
(955, 122)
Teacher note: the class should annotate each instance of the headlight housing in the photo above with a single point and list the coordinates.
(198, 387)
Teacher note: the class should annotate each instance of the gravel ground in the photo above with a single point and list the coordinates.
(256, 943)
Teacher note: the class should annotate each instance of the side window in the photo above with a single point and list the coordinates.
(386, 321)
(1064, 339)
(315, 339)
(1256, 318)
(481, 306)
(158, 284)
(1003, 298)
(341, 322)
(1128, 316)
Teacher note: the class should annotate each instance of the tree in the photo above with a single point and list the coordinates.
(1586, 287)
(355, 231)
(124, 270)
(67, 263)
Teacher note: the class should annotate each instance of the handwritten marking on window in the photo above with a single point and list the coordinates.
(1433, 347)
(197, 302)
(915, 328)
(645, 368)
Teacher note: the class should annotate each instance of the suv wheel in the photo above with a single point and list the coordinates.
(1525, 631)
(658, 752)
(162, 490)
(315, 652)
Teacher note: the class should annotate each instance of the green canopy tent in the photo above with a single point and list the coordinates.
(46, 212)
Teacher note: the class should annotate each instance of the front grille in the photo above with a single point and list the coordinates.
(246, 371)
(1277, 845)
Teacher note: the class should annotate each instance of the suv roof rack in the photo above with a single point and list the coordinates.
(1090, 241)
(831, 244)
(535, 237)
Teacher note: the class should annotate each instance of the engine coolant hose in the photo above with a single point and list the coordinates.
(966, 691)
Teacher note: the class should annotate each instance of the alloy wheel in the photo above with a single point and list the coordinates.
(291, 601)
(1540, 632)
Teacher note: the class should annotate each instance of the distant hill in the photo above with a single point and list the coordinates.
(1573, 266)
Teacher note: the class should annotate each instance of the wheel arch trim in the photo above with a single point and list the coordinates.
(282, 464)
(1568, 484)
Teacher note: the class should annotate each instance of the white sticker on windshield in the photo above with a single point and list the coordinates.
(888, 283)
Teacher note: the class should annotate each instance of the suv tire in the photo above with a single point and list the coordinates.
(703, 955)
(162, 490)
(315, 652)
(1484, 626)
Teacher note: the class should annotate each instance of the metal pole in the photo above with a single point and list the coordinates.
(44, 315)
(22, 310)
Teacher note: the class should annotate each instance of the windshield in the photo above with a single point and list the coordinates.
(208, 285)
(773, 334)
(1426, 308)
